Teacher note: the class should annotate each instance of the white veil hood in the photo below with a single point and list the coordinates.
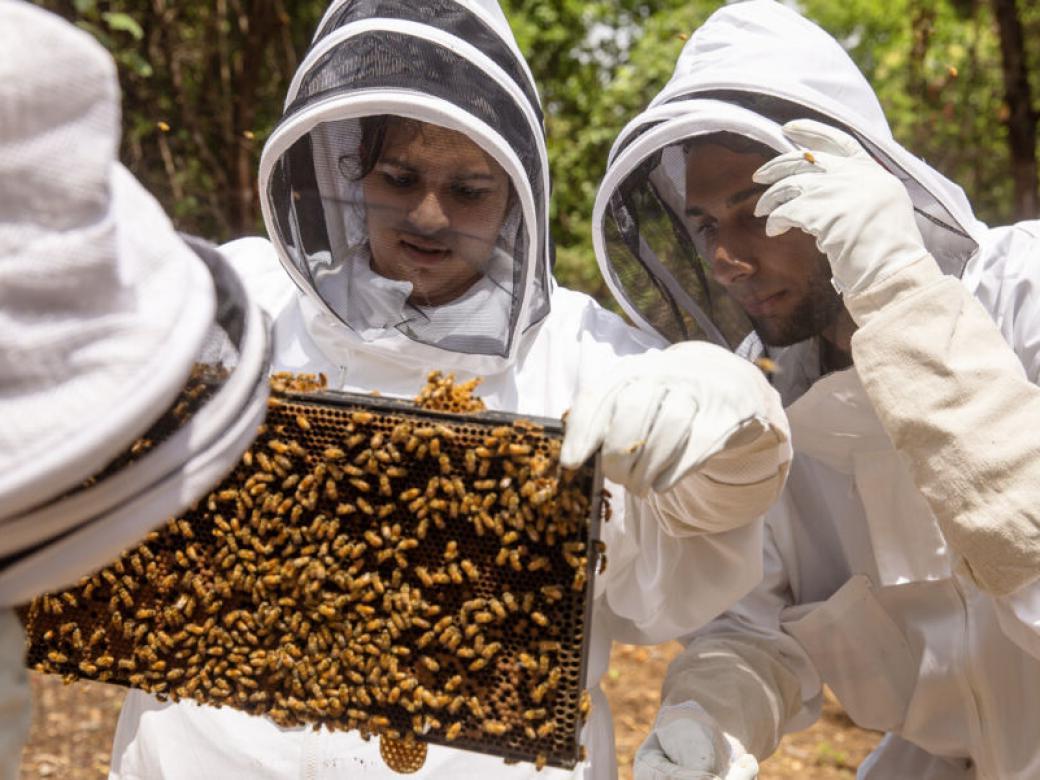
(748, 69)
(451, 63)
(764, 47)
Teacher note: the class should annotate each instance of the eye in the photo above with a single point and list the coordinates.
(468, 193)
(399, 180)
(706, 229)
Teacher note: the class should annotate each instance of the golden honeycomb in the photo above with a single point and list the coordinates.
(421, 571)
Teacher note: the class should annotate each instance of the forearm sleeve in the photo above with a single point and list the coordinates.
(741, 681)
(954, 398)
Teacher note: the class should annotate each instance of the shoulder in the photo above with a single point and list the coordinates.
(1008, 286)
(592, 324)
(257, 265)
(1009, 255)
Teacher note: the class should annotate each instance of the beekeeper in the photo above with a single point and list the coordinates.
(104, 314)
(405, 192)
(901, 562)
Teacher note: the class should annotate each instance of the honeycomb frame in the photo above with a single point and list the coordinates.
(285, 603)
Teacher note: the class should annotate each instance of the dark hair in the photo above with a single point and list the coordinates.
(733, 141)
(359, 164)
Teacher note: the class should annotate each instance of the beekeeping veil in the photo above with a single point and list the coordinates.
(748, 69)
(349, 207)
(106, 318)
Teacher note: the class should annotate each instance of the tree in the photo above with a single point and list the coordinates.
(204, 80)
(1022, 117)
(202, 85)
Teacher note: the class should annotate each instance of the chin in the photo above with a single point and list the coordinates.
(781, 333)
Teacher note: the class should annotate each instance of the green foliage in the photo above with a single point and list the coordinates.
(597, 64)
(936, 67)
(215, 73)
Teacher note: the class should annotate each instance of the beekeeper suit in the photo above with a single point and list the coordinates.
(406, 194)
(104, 313)
(902, 559)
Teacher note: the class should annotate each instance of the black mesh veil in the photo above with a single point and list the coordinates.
(398, 180)
(653, 256)
(654, 243)
(446, 15)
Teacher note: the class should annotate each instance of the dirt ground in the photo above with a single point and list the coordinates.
(73, 725)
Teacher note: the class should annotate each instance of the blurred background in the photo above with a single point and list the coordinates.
(203, 82)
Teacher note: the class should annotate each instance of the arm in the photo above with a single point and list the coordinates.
(658, 587)
(707, 433)
(739, 685)
(753, 679)
(949, 391)
(967, 427)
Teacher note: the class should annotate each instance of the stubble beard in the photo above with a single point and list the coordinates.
(819, 308)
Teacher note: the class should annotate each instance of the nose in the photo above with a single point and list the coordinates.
(728, 262)
(428, 216)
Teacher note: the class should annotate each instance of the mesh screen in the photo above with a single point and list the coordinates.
(445, 15)
(657, 265)
(385, 60)
(945, 238)
(369, 565)
(425, 238)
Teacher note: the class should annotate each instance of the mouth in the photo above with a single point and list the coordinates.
(424, 253)
(763, 305)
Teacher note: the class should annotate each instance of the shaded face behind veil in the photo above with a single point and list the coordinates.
(781, 282)
(435, 203)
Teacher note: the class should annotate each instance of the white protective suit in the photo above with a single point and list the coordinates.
(670, 569)
(104, 313)
(901, 578)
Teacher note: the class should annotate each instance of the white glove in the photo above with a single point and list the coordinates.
(662, 414)
(861, 215)
(687, 744)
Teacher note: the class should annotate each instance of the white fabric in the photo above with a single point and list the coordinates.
(104, 310)
(837, 193)
(963, 430)
(371, 303)
(862, 593)
(687, 744)
(102, 307)
(524, 297)
(661, 415)
(644, 596)
(860, 590)
(748, 47)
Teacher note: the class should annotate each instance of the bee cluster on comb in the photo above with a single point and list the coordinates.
(421, 571)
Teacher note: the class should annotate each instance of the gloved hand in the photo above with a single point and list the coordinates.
(687, 744)
(861, 215)
(662, 414)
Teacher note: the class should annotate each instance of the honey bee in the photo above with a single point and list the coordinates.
(495, 727)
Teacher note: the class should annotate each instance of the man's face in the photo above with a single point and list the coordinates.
(782, 283)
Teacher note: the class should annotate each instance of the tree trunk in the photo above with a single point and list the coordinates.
(1022, 119)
